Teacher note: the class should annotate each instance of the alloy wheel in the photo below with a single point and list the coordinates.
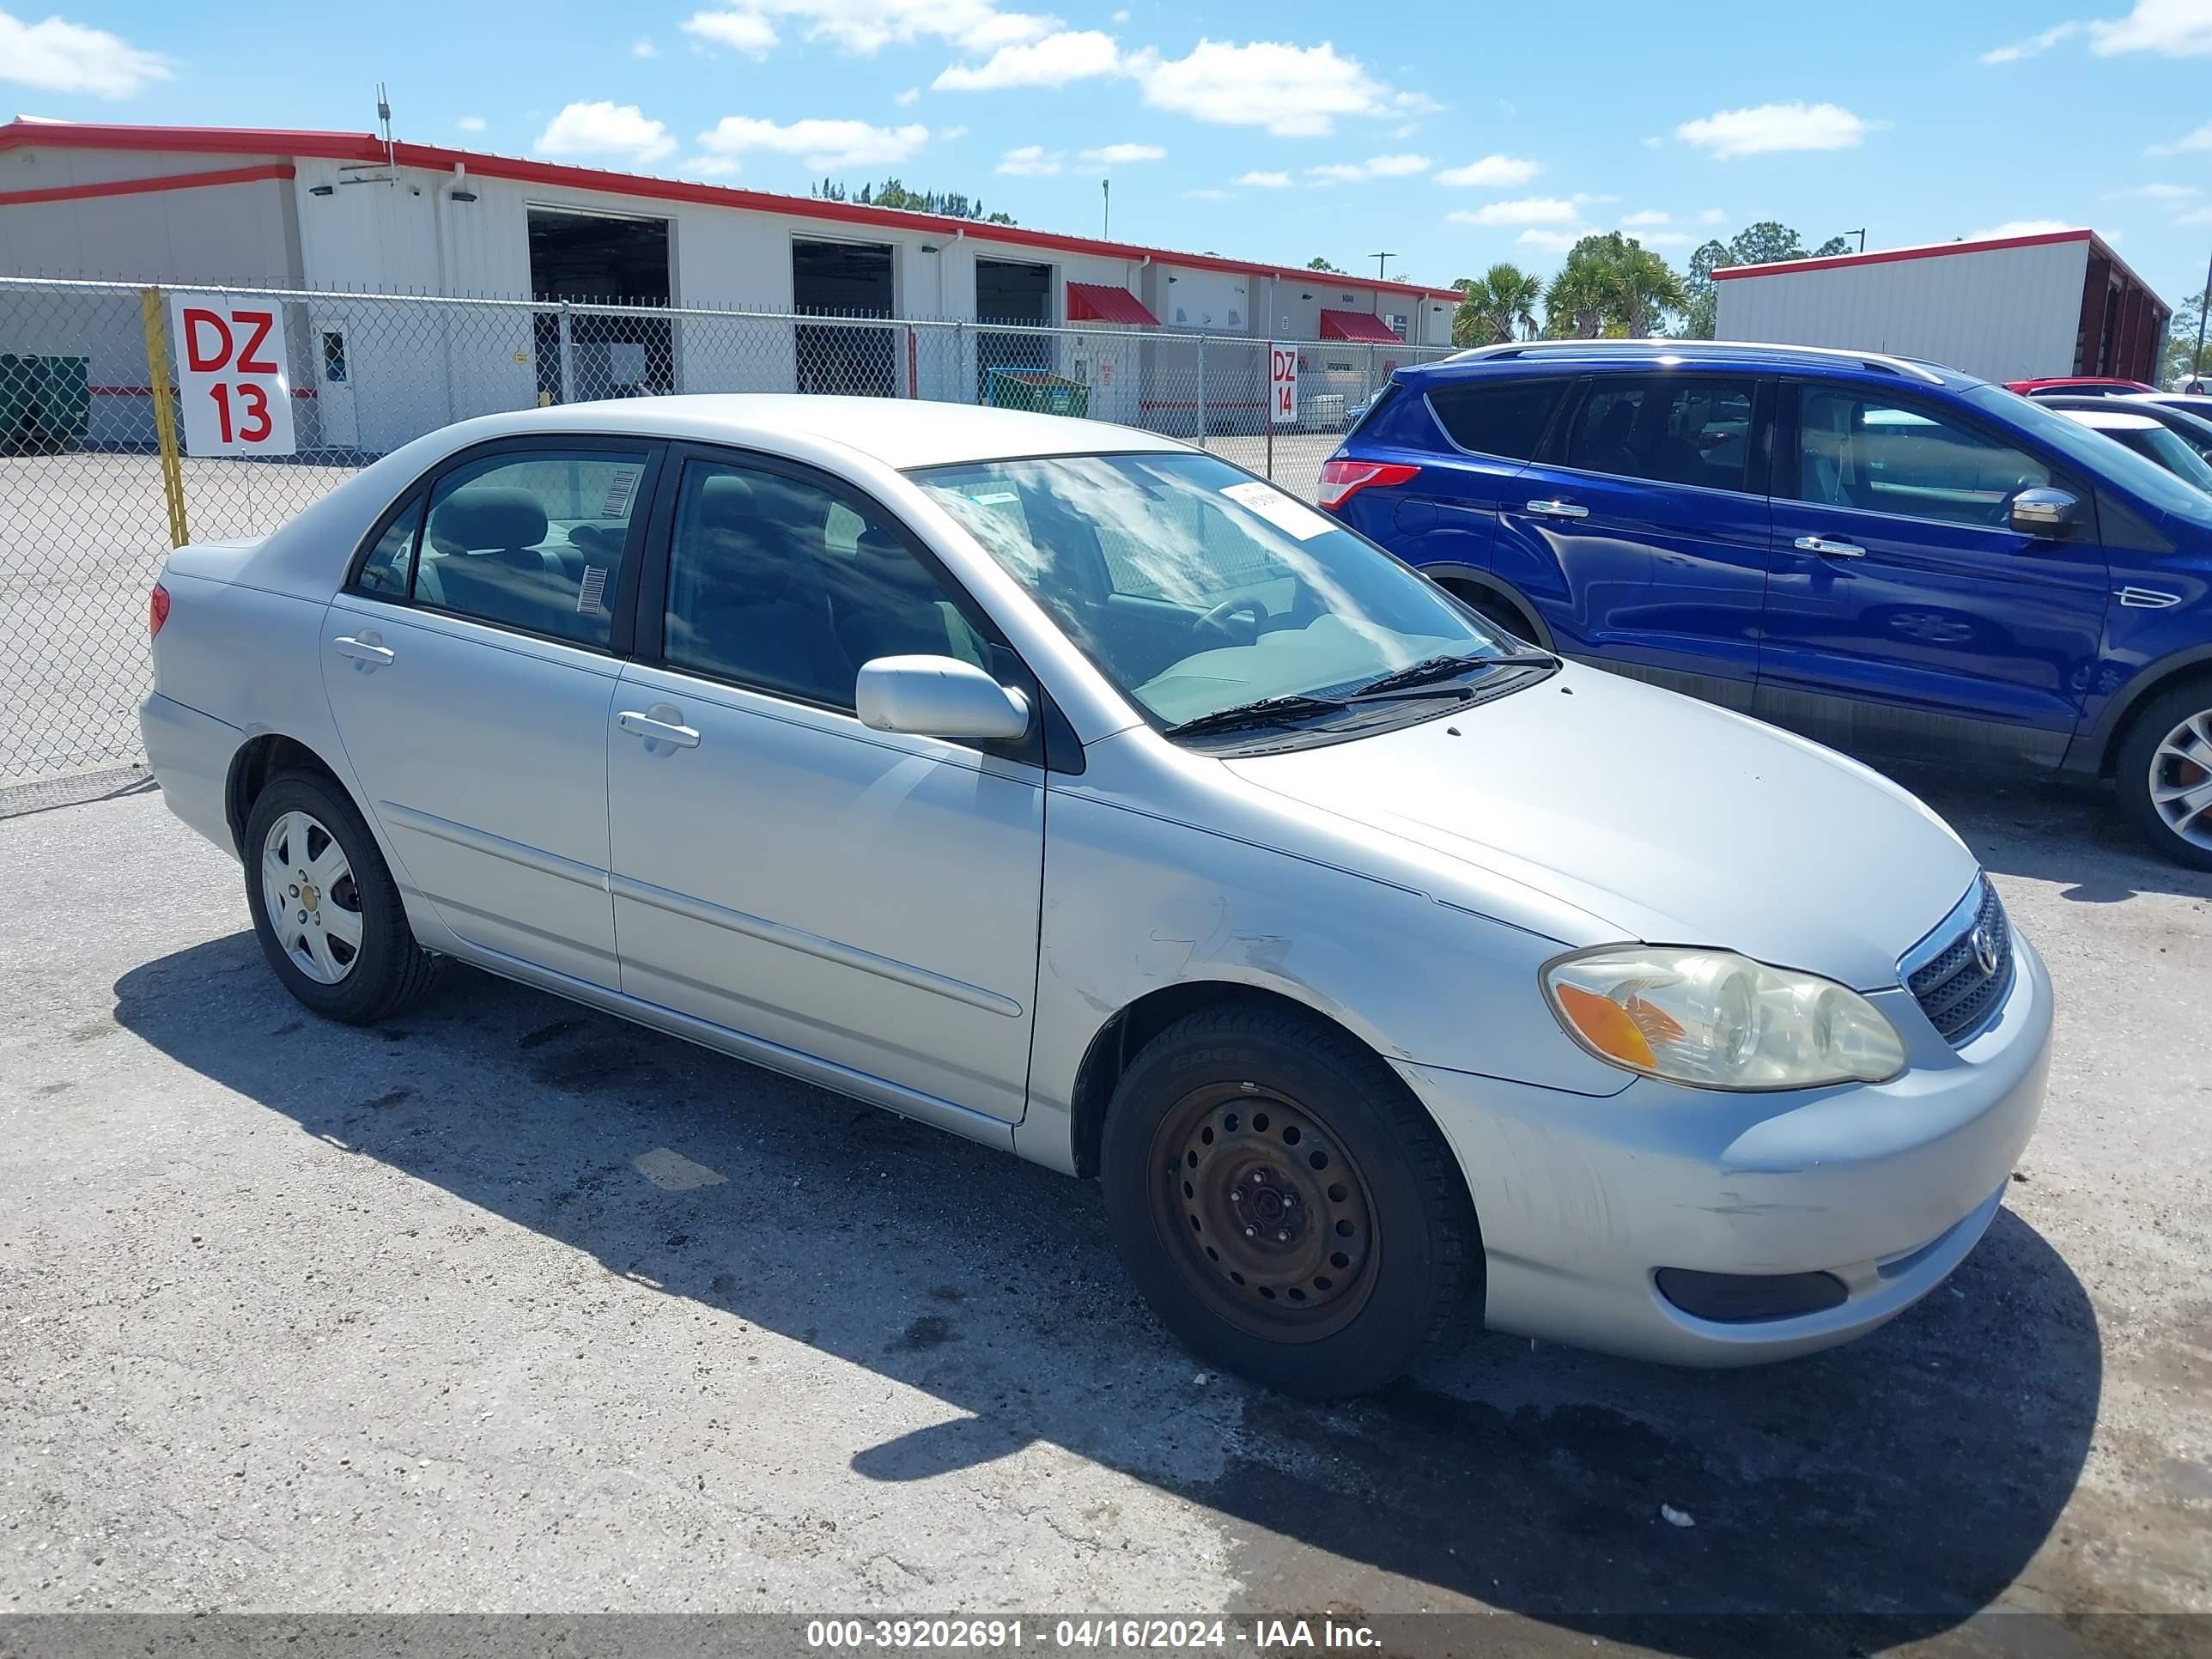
(2181, 780)
(312, 900)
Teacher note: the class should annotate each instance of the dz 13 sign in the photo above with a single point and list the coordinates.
(234, 382)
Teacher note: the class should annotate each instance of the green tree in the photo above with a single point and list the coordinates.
(892, 193)
(1498, 306)
(1761, 244)
(1611, 285)
(2182, 357)
(1318, 263)
(1700, 301)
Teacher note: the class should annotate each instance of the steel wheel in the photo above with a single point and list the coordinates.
(1272, 1222)
(312, 902)
(2181, 780)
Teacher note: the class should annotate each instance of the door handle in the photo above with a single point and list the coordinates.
(1828, 550)
(1560, 509)
(367, 652)
(639, 724)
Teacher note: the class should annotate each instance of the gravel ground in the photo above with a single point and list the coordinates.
(508, 1306)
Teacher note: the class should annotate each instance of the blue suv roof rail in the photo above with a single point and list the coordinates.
(1684, 349)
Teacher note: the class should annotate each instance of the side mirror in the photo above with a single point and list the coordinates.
(2045, 512)
(938, 697)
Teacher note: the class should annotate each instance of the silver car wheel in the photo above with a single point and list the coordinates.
(312, 901)
(2181, 780)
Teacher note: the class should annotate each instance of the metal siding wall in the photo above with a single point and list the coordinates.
(2005, 314)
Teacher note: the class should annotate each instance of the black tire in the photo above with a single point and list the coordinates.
(1499, 612)
(2133, 770)
(389, 970)
(1404, 1208)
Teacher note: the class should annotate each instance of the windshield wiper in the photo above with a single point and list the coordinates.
(1430, 670)
(1267, 711)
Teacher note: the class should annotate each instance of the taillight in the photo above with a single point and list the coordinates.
(157, 609)
(1342, 480)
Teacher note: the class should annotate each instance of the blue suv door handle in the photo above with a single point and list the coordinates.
(1828, 550)
(1560, 509)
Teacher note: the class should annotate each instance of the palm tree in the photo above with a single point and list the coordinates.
(1496, 306)
(1611, 284)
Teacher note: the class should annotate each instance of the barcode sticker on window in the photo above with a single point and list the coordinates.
(1283, 512)
(620, 488)
(595, 585)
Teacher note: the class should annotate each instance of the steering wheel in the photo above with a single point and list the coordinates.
(1217, 620)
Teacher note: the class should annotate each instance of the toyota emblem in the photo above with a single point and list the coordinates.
(1985, 948)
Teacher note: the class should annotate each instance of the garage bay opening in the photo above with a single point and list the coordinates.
(844, 279)
(603, 258)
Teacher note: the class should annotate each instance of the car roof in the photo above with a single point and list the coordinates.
(2107, 420)
(897, 432)
(1584, 356)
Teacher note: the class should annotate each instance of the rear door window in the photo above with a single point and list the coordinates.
(1505, 418)
(1666, 429)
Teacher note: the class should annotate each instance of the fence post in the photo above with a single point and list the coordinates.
(1367, 378)
(962, 378)
(1201, 393)
(568, 371)
(165, 418)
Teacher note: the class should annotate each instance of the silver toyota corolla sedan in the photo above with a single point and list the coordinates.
(1075, 791)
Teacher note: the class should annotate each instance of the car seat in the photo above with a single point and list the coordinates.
(737, 601)
(488, 562)
(894, 608)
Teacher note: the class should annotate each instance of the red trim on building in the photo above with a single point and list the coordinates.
(366, 147)
(1360, 325)
(147, 187)
(1102, 303)
(1921, 251)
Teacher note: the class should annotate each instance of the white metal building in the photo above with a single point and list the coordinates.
(2006, 308)
(341, 212)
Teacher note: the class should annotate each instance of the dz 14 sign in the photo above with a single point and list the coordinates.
(1282, 384)
(234, 382)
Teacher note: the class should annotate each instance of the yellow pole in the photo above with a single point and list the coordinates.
(165, 418)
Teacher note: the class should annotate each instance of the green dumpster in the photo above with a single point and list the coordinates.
(1029, 388)
(45, 403)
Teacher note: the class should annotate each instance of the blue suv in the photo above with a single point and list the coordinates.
(1887, 555)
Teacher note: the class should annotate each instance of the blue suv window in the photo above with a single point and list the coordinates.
(1505, 418)
(1666, 429)
(1867, 452)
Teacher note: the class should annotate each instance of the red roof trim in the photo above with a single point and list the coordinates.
(1102, 302)
(1930, 250)
(367, 146)
(1360, 325)
(147, 187)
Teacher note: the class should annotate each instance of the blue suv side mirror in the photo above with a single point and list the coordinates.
(2045, 512)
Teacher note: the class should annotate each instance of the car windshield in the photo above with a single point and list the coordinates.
(1196, 587)
(2103, 458)
(2170, 451)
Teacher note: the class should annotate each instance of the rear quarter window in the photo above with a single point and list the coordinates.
(1505, 418)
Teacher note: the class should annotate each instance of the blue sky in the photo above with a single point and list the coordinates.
(1452, 134)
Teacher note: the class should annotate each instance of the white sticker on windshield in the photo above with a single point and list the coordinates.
(994, 498)
(1282, 511)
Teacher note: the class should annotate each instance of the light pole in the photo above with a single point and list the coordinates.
(2203, 305)
(1106, 228)
(1383, 259)
(1860, 234)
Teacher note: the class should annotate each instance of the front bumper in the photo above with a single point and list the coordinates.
(1581, 1200)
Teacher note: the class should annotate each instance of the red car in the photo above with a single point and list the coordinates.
(2077, 386)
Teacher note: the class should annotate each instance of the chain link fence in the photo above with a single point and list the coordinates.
(85, 519)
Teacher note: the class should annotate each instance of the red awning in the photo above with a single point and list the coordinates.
(1357, 325)
(1102, 303)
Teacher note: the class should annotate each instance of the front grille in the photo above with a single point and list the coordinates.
(1957, 994)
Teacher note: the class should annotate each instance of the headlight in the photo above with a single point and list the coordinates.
(1716, 1020)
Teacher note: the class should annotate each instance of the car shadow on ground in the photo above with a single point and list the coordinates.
(1912, 1474)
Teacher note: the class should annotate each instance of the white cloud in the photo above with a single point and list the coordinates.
(1260, 180)
(1766, 128)
(1492, 172)
(2032, 45)
(1057, 59)
(604, 129)
(868, 25)
(1119, 155)
(2018, 228)
(1652, 142)
(1666, 239)
(711, 166)
(1550, 241)
(1294, 92)
(2171, 28)
(820, 144)
(1120, 16)
(1713, 216)
(55, 56)
(1206, 195)
(2187, 145)
(2195, 216)
(740, 31)
(2160, 192)
(643, 48)
(1647, 216)
(1375, 166)
(471, 124)
(1029, 162)
(906, 97)
(951, 135)
(1529, 210)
